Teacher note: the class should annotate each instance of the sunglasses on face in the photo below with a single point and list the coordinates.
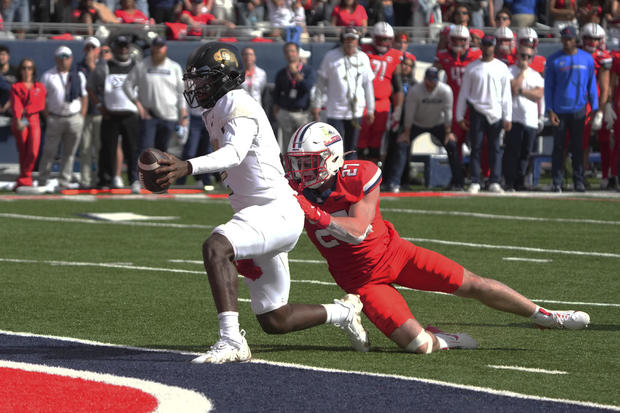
(525, 56)
(502, 18)
(461, 12)
(64, 56)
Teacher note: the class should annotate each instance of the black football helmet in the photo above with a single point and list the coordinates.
(212, 70)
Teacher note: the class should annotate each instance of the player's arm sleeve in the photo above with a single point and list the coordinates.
(355, 227)
(369, 90)
(239, 133)
(309, 79)
(549, 87)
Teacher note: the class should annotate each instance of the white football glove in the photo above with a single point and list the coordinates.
(609, 116)
(597, 122)
(394, 121)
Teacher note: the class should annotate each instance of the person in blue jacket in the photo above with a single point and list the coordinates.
(570, 84)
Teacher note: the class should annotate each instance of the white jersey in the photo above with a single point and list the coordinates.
(245, 151)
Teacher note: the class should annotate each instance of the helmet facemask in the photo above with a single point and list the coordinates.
(307, 170)
(204, 87)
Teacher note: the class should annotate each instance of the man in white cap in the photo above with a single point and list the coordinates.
(65, 106)
(90, 142)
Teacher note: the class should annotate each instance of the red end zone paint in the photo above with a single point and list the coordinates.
(25, 391)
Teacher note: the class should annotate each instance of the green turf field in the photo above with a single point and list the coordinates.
(142, 284)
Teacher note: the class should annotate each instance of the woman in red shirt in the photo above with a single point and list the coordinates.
(349, 13)
(27, 100)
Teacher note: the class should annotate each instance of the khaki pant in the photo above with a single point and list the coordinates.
(64, 132)
(89, 150)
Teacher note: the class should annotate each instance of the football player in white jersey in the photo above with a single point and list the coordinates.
(267, 219)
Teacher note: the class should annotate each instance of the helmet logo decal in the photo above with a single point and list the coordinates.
(225, 57)
(332, 140)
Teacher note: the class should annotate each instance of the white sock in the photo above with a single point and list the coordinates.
(229, 325)
(443, 344)
(336, 313)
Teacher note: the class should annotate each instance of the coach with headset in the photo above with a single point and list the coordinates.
(344, 85)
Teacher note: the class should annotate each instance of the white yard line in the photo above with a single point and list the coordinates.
(201, 272)
(527, 369)
(99, 222)
(541, 260)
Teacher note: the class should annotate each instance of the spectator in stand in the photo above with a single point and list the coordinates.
(570, 84)
(163, 11)
(427, 12)
(119, 115)
(593, 42)
(429, 109)
(128, 13)
(403, 13)
(591, 11)
(503, 18)
(16, 11)
(524, 12)
(563, 13)
(197, 18)
(291, 93)
(90, 143)
(388, 92)
(287, 19)
(527, 88)
(159, 99)
(375, 12)
(224, 10)
(349, 13)
(344, 84)
(66, 106)
(250, 12)
(486, 91)
(480, 11)
(27, 101)
(88, 13)
(461, 15)
(255, 77)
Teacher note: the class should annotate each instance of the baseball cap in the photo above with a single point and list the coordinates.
(92, 41)
(488, 40)
(158, 41)
(568, 32)
(432, 73)
(350, 32)
(122, 40)
(63, 51)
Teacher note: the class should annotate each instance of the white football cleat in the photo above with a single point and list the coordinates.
(226, 350)
(358, 336)
(454, 341)
(570, 320)
(474, 188)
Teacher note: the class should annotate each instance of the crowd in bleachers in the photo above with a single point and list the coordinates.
(488, 133)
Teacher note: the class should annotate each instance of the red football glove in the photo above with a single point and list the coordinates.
(314, 214)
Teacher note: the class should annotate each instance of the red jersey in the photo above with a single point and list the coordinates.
(136, 17)
(204, 18)
(383, 66)
(615, 68)
(509, 59)
(350, 264)
(602, 59)
(26, 101)
(454, 66)
(346, 18)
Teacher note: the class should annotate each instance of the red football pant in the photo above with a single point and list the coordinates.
(409, 266)
(28, 143)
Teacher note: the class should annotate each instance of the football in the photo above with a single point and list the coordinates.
(147, 163)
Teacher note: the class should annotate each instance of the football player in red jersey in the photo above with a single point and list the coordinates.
(385, 62)
(366, 256)
(505, 49)
(593, 41)
(453, 61)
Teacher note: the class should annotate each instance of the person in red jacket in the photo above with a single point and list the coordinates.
(27, 100)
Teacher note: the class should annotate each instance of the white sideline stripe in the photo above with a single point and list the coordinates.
(496, 216)
(327, 370)
(527, 369)
(526, 259)
(175, 270)
(93, 221)
(515, 248)
(170, 399)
